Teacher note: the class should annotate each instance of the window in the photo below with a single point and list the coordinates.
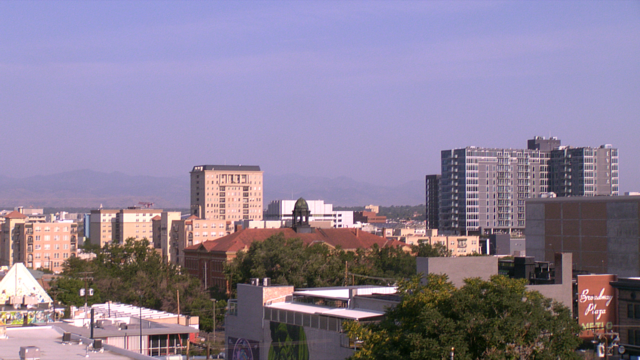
(630, 311)
(636, 312)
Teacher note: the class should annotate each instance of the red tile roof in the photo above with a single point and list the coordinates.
(15, 215)
(157, 217)
(347, 239)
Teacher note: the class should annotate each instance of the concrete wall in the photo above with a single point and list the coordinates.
(459, 268)
(622, 238)
(322, 344)
(562, 290)
(248, 323)
(534, 232)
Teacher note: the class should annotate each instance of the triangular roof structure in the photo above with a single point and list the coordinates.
(20, 282)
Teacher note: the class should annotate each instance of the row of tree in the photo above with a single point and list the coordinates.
(291, 262)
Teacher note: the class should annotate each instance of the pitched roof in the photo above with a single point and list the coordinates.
(19, 282)
(347, 239)
(15, 215)
(157, 217)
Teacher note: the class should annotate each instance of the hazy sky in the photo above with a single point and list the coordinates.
(368, 90)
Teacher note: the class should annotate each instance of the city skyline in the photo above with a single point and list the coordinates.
(308, 88)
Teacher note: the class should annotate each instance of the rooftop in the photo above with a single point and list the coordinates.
(347, 239)
(227, 167)
(49, 341)
(343, 313)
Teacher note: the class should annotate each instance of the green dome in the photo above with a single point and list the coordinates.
(301, 204)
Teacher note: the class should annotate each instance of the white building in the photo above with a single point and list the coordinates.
(320, 212)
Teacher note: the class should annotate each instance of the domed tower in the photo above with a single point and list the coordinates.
(301, 217)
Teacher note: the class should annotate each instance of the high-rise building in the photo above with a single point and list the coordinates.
(432, 201)
(226, 192)
(483, 190)
(584, 171)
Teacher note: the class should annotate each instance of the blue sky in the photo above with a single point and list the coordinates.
(368, 90)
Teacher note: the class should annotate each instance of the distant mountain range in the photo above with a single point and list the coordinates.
(90, 189)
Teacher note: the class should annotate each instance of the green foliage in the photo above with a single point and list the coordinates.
(290, 262)
(495, 319)
(133, 273)
(427, 250)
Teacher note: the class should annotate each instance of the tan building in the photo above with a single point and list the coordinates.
(37, 244)
(172, 234)
(226, 192)
(457, 245)
(109, 225)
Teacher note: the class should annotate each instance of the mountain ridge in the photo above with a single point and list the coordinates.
(90, 188)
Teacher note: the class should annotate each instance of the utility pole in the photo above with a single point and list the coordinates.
(86, 289)
(214, 319)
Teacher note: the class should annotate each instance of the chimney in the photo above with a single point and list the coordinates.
(357, 231)
(238, 227)
(384, 233)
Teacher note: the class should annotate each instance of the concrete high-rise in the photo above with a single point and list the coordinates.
(483, 190)
(584, 171)
(226, 192)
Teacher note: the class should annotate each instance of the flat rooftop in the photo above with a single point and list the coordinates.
(342, 293)
(50, 343)
(343, 313)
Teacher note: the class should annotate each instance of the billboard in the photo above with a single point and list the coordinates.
(597, 310)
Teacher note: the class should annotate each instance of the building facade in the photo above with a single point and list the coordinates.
(282, 210)
(584, 171)
(601, 232)
(38, 245)
(483, 190)
(178, 234)
(433, 201)
(109, 225)
(226, 192)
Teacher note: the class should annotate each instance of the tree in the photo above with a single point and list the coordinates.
(133, 273)
(495, 319)
(291, 262)
(427, 250)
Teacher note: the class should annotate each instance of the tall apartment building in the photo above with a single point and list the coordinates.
(37, 244)
(483, 190)
(584, 171)
(432, 201)
(108, 225)
(226, 192)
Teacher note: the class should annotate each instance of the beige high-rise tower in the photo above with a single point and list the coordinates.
(226, 192)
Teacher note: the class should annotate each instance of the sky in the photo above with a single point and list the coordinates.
(368, 90)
